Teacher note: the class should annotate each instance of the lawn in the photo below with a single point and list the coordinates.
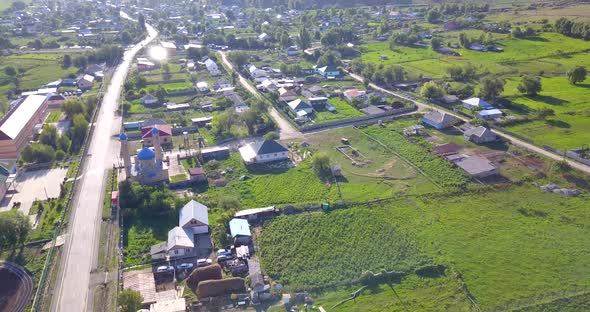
(317, 250)
(343, 111)
(568, 129)
(513, 246)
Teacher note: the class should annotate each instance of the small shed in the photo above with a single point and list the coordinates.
(240, 231)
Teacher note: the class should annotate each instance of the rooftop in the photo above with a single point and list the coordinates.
(239, 227)
(15, 121)
(193, 210)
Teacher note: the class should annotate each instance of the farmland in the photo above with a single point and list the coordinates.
(513, 246)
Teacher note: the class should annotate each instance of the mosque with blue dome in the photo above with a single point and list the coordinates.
(148, 166)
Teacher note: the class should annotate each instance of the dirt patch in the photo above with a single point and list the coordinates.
(16, 288)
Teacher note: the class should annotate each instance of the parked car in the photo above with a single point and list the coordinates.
(164, 268)
(223, 252)
(203, 262)
(184, 266)
(244, 178)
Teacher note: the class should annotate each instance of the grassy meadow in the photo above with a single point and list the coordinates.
(343, 111)
(568, 129)
(513, 246)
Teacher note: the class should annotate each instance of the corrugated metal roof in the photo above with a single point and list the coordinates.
(16, 121)
(193, 210)
(239, 227)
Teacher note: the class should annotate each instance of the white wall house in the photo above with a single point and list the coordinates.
(264, 151)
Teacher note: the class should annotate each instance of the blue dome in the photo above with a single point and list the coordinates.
(146, 154)
(155, 131)
(123, 136)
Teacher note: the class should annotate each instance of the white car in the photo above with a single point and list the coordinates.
(203, 262)
(223, 252)
(184, 266)
(164, 268)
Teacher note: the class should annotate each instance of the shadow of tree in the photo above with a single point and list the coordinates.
(558, 123)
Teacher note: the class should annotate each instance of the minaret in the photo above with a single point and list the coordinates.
(125, 154)
(157, 147)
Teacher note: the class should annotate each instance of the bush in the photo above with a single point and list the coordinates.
(60, 155)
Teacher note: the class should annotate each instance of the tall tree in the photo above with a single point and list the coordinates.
(129, 300)
(491, 87)
(431, 90)
(141, 21)
(66, 61)
(304, 38)
(529, 85)
(14, 228)
(576, 74)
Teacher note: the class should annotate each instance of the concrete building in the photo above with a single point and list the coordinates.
(16, 127)
(477, 166)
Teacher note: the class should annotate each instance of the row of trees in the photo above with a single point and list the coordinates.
(380, 74)
(570, 28)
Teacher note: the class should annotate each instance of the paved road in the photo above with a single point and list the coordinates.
(80, 251)
(512, 139)
(286, 130)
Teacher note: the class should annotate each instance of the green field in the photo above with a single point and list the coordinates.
(549, 52)
(513, 246)
(316, 251)
(343, 111)
(568, 129)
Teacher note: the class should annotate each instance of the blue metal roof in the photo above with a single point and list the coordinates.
(146, 154)
(123, 136)
(239, 227)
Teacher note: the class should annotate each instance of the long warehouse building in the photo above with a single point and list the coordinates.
(17, 126)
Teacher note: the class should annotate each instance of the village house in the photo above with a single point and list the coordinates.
(85, 82)
(17, 125)
(488, 114)
(143, 64)
(264, 151)
(170, 48)
(287, 95)
(479, 135)
(477, 166)
(240, 232)
(351, 94)
(299, 108)
(221, 84)
(164, 135)
(438, 120)
(327, 71)
(148, 100)
(54, 101)
(476, 103)
(257, 73)
(212, 67)
(190, 236)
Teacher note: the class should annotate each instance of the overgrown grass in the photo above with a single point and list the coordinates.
(109, 188)
(53, 116)
(513, 246)
(315, 251)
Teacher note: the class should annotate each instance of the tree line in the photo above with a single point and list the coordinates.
(571, 28)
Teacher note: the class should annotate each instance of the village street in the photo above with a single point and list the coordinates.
(80, 250)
